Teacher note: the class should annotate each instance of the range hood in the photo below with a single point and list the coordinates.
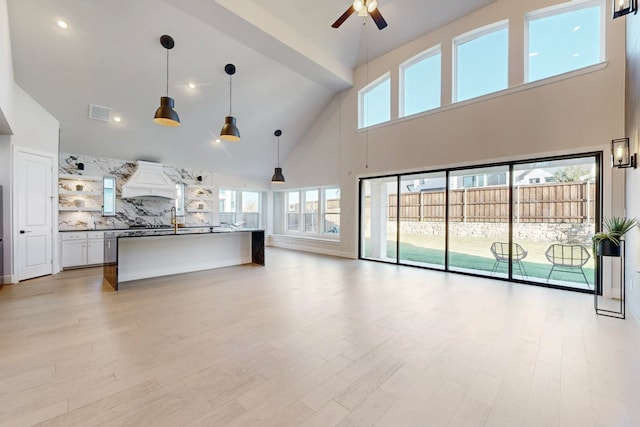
(149, 180)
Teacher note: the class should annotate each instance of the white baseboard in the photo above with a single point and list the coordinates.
(307, 245)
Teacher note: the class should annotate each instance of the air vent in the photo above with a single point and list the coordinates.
(98, 112)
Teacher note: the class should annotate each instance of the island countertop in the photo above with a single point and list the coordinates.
(138, 254)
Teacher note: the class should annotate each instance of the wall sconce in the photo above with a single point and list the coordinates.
(624, 7)
(621, 156)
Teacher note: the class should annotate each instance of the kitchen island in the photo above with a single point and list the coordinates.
(140, 254)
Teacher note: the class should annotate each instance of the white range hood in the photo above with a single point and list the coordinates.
(149, 180)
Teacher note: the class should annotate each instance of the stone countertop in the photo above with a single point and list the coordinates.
(169, 232)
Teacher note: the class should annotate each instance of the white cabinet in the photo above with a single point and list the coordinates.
(95, 247)
(82, 248)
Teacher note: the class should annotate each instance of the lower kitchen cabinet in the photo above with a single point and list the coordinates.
(82, 248)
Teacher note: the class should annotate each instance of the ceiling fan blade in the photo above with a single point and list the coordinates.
(344, 17)
(378, 19)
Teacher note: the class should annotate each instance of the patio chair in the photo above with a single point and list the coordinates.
(568, 259)
(500, 251)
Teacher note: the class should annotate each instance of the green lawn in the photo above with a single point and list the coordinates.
(534, 270)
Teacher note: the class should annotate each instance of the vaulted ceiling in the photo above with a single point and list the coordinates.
(289, 61)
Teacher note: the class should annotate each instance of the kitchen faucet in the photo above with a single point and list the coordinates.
(174, 220)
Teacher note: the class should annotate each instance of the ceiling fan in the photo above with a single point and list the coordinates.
(364, 8)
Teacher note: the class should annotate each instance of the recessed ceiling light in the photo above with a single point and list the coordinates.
(576, 28)
(191, 85)
(117, 119)
(218, 141)
(62, 25)
(533, 54)
(575, 55)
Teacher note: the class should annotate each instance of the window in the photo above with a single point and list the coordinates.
(313, 211)
(420, 82)
(227, 206)
(250, 209)
(293, 211)
(240, 208)
(374, 102)
(481, 62)
(562, 40)
(331, 211)
(180, 199)
(108, 196)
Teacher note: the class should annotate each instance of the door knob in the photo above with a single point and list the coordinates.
(24, 231)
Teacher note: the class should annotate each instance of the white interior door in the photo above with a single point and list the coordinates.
(34, 176)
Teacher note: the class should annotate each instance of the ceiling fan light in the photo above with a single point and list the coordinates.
(372, 5)
(229, 131)
(358, 5)
(165, 114)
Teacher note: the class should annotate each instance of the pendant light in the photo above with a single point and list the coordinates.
(229, 131)
(165, 114)
(278, 177)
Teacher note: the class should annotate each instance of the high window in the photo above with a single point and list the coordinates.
(374, 102)
(563, 39)
(240, 208)
(481, 62)
(420, 82)
(313, 211)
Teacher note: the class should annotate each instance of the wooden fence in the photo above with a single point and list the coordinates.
(572, 202)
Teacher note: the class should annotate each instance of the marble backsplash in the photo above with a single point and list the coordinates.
(149, 211)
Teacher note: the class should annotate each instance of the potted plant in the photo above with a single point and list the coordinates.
(607, 242)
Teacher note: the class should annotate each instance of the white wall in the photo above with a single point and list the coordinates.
(558, 116)
(6, 68)
(633, 175)
(32, 127)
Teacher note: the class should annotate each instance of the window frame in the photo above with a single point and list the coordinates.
(114, 211)
(560, 9)
(318, 215)
(424, 55)
(467, 37)
(367, 89)
(237, 203)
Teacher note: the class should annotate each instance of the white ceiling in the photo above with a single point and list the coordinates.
(289, 61)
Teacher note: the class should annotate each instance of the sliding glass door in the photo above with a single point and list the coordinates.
(554, 211)
(479, 221)
(378, 223)
(528, 221)
(422, 222)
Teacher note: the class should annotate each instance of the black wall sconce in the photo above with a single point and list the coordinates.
(624, 7)
(621, 156)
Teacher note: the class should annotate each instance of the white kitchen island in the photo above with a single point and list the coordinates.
(134, 255)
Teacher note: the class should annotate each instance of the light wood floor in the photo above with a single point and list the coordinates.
(311, 341)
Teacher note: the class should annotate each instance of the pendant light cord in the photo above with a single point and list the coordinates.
(230, 93)
(167, 73)
(366, 50)
(278, 151)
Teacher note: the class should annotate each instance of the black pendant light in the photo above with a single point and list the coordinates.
(165, 114)
(278, 177)
(229, 131)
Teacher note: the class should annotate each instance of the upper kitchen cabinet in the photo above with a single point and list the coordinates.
(79, 193)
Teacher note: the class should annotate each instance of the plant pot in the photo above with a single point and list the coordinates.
(608, 248)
